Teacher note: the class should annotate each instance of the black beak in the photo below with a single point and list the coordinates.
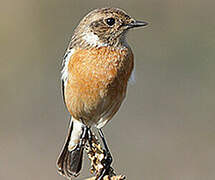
(135, 23)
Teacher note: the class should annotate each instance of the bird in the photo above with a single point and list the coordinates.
(96, 68)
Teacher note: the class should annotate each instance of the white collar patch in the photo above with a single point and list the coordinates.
(93, 39)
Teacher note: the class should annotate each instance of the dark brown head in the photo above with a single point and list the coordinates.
(104, 27)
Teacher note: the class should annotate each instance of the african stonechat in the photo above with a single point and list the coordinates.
(96, 68)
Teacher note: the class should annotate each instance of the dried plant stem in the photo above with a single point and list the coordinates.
(96, 155)
(121, 177)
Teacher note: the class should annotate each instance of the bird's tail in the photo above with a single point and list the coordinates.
(69, 162)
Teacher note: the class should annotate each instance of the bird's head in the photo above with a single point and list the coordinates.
(104, 27)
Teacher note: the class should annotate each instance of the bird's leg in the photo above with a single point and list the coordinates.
(83, 136)
(106, 162)
(90, 137)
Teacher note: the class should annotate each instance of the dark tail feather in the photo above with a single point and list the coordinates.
(69, 162)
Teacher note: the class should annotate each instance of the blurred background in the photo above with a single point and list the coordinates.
(165, 129)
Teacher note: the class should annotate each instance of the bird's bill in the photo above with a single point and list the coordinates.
(136, 23)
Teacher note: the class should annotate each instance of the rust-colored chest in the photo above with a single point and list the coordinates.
(96, 78)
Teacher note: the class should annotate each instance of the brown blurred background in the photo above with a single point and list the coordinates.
(165, 130)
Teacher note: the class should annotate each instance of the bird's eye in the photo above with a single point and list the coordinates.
(110, 21)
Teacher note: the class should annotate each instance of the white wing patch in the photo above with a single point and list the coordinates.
(64, 72)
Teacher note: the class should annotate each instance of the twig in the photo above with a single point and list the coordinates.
(120, 177)
(96, 155)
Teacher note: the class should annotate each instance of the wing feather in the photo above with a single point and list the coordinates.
(64, 72)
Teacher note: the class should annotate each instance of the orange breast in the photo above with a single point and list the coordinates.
(97, 81)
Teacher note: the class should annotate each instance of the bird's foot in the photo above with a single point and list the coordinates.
(106, 162)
